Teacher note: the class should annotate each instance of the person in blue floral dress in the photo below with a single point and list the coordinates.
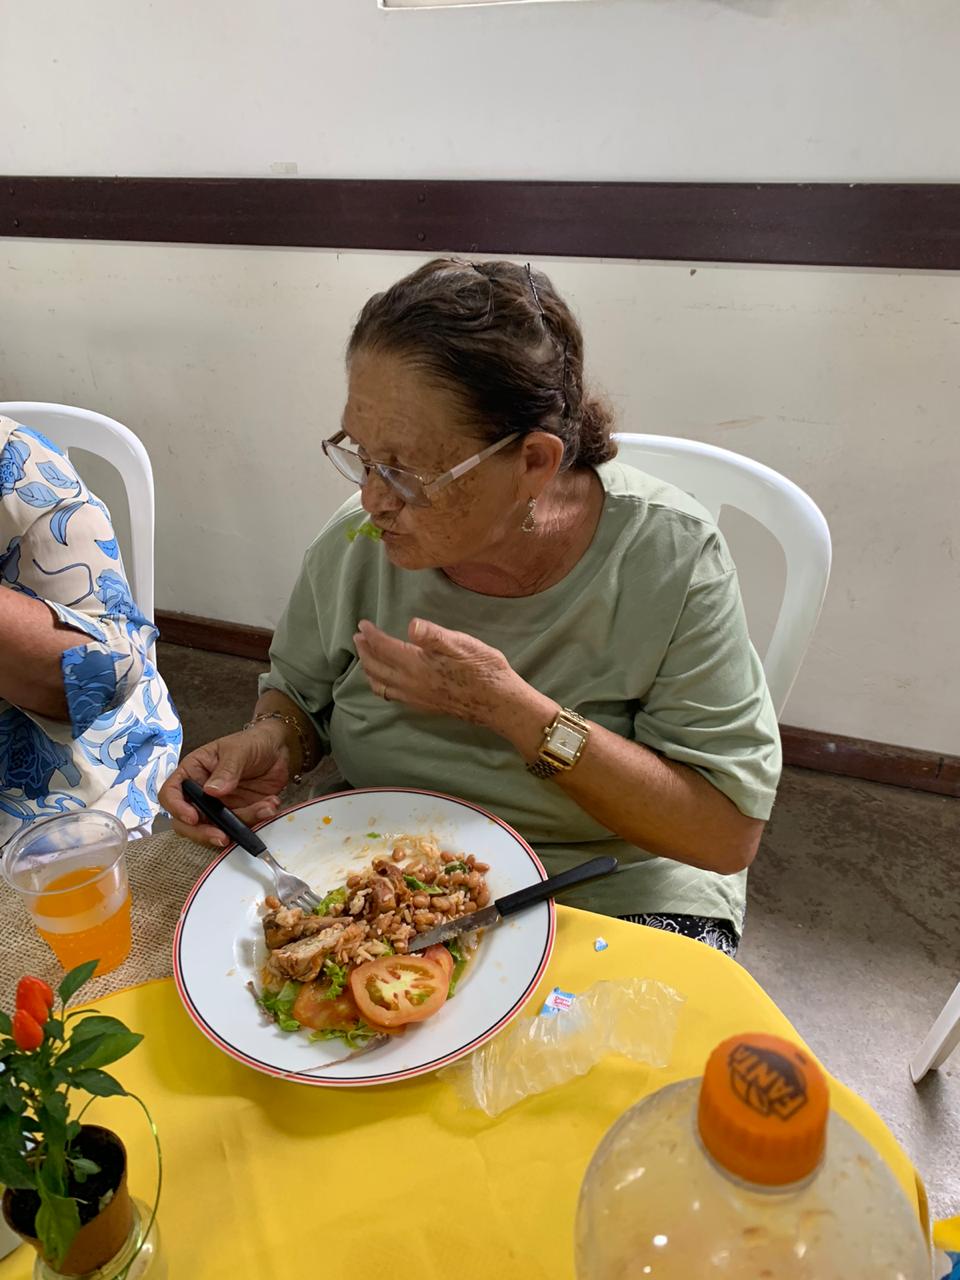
(85, 718)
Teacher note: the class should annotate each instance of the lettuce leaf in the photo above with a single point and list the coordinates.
(459, 963)
(365, 530)
(337, 975)
(355, 1037)
(419, 887)
(334, 897)
(279, 1004)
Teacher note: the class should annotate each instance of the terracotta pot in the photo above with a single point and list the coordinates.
(102, 1237)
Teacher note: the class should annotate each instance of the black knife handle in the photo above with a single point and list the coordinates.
(217, 812)
(534, 893)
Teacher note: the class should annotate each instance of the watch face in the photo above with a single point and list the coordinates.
(565, 742)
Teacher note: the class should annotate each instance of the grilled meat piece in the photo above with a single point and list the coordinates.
(302, 960)
(282, 925)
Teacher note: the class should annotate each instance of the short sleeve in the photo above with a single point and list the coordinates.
(708, 706)
(60, 548)
(300, 665)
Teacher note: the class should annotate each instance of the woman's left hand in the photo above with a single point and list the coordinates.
(446, 672)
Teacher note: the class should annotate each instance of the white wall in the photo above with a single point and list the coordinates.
(697, 89)
(227, 362)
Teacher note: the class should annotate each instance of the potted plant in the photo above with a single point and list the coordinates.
(66, 1181)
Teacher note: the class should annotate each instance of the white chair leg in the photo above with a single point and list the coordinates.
(943, 1038)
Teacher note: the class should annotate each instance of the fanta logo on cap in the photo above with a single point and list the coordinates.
(767, 1082)
(763, 1109)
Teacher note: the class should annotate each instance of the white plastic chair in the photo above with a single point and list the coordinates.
(73, 428)
(943, 1038)
(718, 478)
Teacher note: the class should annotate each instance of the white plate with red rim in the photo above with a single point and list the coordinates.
(218, 946)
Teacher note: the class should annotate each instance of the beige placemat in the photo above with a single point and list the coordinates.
(162, 870)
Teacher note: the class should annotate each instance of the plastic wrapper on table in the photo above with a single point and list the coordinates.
(636, 1018)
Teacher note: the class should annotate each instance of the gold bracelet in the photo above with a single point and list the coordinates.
(305, 754)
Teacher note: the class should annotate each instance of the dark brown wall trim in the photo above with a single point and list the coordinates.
(806, 748)
(902, 225)
(874, 761)
(233, 638)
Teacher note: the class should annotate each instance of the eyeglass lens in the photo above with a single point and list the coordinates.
(354, 468)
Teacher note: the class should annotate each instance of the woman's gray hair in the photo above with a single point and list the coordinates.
(500, 337)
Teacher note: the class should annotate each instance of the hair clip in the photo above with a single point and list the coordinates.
(533, 290)
(563, 380)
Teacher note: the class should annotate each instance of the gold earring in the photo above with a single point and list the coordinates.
(529, 523)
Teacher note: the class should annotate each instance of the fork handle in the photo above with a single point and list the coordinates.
(228, 822)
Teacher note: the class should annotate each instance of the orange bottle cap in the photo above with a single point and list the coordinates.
(763, 1110)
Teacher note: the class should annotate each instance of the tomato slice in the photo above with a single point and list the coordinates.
(395, 990)
(441, 956)
(313, 1008)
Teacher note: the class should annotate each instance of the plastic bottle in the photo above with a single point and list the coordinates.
(744, 1174)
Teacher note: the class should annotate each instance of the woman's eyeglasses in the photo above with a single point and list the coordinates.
(414, 489)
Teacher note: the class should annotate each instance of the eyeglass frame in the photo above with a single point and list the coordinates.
(429, 487)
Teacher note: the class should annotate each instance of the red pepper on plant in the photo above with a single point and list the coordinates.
(27, 1031)
(30, 1001)
(34, 987)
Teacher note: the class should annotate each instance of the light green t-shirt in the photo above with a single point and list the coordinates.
(646, 635)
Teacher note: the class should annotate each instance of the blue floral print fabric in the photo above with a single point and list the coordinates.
(123, 737)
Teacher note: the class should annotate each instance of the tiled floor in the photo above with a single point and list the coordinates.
(853, 925)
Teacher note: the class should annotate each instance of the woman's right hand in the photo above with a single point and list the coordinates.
(246, 770)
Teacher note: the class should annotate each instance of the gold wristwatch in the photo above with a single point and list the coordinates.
(563, 744)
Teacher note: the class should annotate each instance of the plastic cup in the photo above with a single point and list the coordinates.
(71, 873)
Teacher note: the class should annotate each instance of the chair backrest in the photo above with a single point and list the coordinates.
(718, 478)
(73, 428)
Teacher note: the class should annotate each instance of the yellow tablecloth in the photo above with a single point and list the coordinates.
(267, 1180)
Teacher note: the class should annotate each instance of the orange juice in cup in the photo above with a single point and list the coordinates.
(71, 873)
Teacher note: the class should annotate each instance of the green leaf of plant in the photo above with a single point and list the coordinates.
(32, 1071)
(73, 1130)
(97, 1082)
(83, 1168)
(14, 1170)
(10, 1096)
(99, 1049)
(6, 1026)
(51, 1173)
(76, 1054)
(54, 1027)
(58, 1221)
(75, 979)
(56, 1105)
(114, 1047)
(95, 1025)
(52, 1115)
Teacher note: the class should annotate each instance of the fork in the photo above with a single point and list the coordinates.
(291, 890)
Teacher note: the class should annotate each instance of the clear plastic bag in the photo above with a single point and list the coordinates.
(636, 1017)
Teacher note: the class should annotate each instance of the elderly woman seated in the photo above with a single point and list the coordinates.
(85, 720)
(532, 626)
